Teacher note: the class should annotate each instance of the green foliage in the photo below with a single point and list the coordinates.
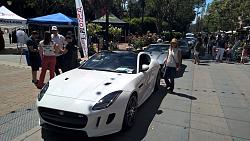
(149, 24)
(115, 33)
(138, 43)
(136, 26)
(93, 29)
(227, 14)
(169, 35)
(177, 35)
(177, 13)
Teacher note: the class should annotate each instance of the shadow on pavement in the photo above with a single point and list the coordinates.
(206, 61)
(203, 64)
(185, 96)
(145, 115)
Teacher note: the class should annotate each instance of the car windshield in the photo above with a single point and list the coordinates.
(113, 62)
(157, 48)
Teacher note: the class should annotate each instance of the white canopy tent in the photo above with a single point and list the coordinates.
(8, 19)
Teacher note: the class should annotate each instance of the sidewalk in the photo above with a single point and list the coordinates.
(211, 103)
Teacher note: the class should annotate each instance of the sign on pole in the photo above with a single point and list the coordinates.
(82, 27)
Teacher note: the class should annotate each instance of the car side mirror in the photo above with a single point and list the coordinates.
(144, 67)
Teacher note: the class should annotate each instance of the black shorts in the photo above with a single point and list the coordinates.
(35, 63)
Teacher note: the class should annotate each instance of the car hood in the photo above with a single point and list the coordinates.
(159, 56)
(88, 85)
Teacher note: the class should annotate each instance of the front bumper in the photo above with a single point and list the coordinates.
(94, 123)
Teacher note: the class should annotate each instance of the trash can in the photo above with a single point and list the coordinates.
(26, 53)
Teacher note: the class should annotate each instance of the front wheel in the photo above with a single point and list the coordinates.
(130, 113)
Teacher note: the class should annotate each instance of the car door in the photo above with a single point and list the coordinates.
(144, 76)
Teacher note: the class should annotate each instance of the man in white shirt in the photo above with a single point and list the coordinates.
(60, 40)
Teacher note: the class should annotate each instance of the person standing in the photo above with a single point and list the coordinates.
(2, 43)
(172, 65)
(10, 36)
(244, 54)
(34, 56)
(210, 44)
(48, 51)
(197, 50)
(221, 45)
(60, 41)
(70, 55)
(205, 41)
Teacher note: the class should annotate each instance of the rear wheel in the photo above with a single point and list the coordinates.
(130, 113)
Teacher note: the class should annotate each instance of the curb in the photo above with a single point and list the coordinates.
(27, 134)
(11, 64)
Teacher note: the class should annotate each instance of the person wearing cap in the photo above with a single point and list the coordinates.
(172, 64)
(34, 56)
(70, 55)
(60, 41)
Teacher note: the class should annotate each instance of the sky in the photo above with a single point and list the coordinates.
(207, 2)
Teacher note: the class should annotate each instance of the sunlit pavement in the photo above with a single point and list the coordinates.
(212, 102)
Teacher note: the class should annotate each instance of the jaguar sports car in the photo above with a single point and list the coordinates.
(102, 95)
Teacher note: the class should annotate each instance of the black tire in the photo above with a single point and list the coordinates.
(158, 82)
(130, 112)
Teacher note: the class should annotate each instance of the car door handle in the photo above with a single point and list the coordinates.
(141, 85)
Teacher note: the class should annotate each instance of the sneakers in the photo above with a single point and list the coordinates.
(169, 90)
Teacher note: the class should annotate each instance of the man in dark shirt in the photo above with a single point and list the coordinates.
(70, 55)
(221, 45)
(34, 56)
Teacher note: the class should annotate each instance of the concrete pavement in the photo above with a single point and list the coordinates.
(211, 103)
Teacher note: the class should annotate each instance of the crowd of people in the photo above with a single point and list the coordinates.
(54, 53)
(222, 46)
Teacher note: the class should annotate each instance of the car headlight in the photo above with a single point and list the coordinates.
(106, 101)
(43, 91)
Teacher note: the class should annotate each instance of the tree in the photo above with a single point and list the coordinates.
(177, 13)
(227, 14)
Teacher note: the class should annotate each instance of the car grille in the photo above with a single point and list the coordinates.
(63, 118)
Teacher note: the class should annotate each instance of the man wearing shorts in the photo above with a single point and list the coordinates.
(34, 56)
(60, 41)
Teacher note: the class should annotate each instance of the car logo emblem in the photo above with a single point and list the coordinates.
(61, 113)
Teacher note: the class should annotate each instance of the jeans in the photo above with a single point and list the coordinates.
(169, 77)
(220, 54)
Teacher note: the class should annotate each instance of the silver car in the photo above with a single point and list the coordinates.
(185, 48)
(158, 52)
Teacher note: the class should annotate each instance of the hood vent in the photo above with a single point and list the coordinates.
(108, 83)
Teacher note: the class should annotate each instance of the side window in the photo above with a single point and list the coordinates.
(144, 59)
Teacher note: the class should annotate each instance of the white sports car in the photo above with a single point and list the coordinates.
(102, 95)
